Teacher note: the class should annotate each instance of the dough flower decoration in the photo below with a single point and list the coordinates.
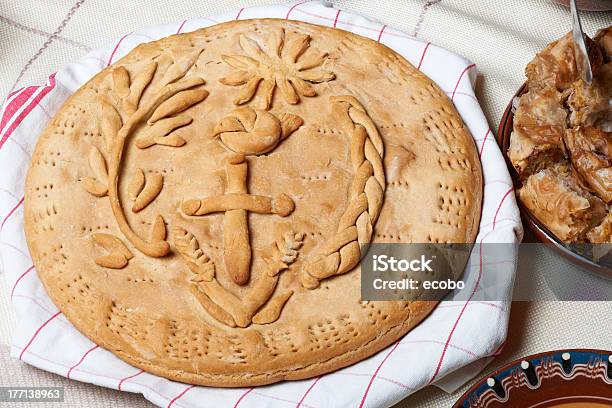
(286, 64)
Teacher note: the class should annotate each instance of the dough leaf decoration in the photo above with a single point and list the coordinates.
(237, 77)
(178, 103)
(118, 254)
(121, 82)
(94, 187)
(98, 184)
(98, 165)
(285, 63)
(136, 184)
(110, 123)
(179, 67)
(158, 229)
(162, 132)
(272, 310)
(137, 87)
(154, 183)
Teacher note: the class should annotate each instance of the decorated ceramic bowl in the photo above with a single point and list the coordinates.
(539, 229)
(556, 379)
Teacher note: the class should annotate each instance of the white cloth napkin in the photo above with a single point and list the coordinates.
(451, 346)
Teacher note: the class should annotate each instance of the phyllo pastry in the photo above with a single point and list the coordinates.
(556, 65)
(561, 141)
(601, 233)
(555, 198)
(590, 150)
(539, 125)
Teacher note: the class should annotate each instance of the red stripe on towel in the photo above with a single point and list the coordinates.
(127, 378)
(180, 395)
(365, 394)
(466, 69)
(36, 333)
(81, 360)
(19, 278)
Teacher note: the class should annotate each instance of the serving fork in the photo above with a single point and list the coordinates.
(580, 50)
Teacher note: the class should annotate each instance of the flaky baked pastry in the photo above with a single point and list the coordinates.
(554, 197)
(590, 150)
(560, 144)
(539, 125)
(590, 105)
(556, 65)
(601, 238)
(603, 38)
(602, 233)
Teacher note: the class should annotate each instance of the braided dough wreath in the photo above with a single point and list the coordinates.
(199, 208)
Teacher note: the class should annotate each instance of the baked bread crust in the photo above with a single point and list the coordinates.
(197, 208)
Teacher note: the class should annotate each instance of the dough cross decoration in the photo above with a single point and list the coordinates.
(246, 132)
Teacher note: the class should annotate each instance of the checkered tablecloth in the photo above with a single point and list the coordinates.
(41, 38)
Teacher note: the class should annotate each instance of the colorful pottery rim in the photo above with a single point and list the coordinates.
(540, 231)
(589, 5)
(549, 379)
